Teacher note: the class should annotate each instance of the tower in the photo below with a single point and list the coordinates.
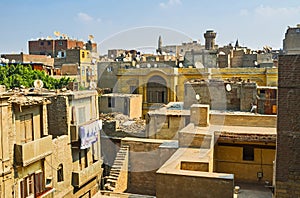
(210, 37)
(159, 45)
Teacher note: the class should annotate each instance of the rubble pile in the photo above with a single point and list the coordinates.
(125, 123)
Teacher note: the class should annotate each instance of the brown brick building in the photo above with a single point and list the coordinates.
(51, 47)
(288, 130)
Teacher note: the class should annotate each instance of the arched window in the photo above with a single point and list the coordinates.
(157, 90)
(60, 173)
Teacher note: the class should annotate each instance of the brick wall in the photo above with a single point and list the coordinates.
(288, 131)
(57, 116)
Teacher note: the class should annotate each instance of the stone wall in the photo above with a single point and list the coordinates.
(61, 156)
(288, 130)
(145, 158)
(164, 126)
(7, 140)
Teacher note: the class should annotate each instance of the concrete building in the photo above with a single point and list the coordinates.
(233, 94)
(213, 153)
(48, 152)
(115, 53)
(162, 85)
(183, 48)
(24, 134)
(206, 152)
(67, 53)
(74, 121)
(238, 56)
(80, 64)
(201, 59)
(127, 104)
(291, 42)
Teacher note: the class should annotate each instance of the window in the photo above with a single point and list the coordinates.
(248, 153)
(60, 173)
(82, 54)
(81, 115)
(60, 43)
(111, 102)
(42, 43)
(39, 182)
(133, 90)
(49, 42)
(27, 186)
(26, 128)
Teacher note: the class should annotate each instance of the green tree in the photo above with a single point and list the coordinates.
(18, 75)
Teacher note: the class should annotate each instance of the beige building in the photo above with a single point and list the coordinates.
(48, 152)
(127, 104)
(213, 153)
(24, 156)
(80, 64)
(74, 122)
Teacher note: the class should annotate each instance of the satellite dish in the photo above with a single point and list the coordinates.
(197, 97)
(38, 84)
(91, 37)
(228, 87)
(56, 33)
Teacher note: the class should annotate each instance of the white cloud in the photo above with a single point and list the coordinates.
(170, 3)
(267, 11)
(85, 18)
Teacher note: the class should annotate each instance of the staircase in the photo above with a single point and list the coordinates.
(116, 181)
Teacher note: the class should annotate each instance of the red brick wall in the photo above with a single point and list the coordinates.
(288, 127)
(36, 47)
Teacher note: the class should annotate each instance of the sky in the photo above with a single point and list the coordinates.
(137, 24)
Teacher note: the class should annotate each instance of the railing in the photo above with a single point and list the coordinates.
(48, 193)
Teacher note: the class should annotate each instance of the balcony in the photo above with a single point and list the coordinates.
(79, 178)
(33, 151)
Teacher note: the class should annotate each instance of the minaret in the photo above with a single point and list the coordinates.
(159, 45)
(210, 37)
(237, 44)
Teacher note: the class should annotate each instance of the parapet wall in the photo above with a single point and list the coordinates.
(201, 184)
(249, 120)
